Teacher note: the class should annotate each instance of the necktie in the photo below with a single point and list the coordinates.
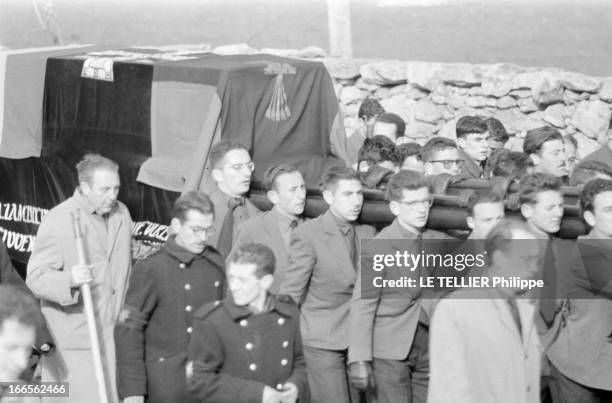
(353, 247)
(548, 296)
(293, 224)
(515, 314)
(224, 245)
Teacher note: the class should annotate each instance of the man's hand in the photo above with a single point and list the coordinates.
(134, 399)
(289, 394)
(361, 375)
(271, 396)
(80, 275)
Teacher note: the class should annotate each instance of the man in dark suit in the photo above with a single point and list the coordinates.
(247, 348)
(388, 350)
(581, 353)
(473, 141)
(323, 258)
(156, 322)
(231, 170)
(287, 192)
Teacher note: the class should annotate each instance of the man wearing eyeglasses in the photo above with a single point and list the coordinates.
(388, 351)
(231, 170)
(473, 141)
(441, 156)
(155, 325)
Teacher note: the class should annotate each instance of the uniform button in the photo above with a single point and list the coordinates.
(217, 284)
(217, 303)
(161, 359)
(188, 308)
(249, 346)
(244, 322)
(189, 329)
(284, 362)
(285, 344)
(281, 321)
(188, 286)
(182, 265)
(252, 367)
(279, 386)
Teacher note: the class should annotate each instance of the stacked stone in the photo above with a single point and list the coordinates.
(430, 97)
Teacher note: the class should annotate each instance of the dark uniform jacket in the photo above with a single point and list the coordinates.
(156, 322)
(235, 353)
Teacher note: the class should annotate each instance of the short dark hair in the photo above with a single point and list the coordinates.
(334, 174)
(470, 125)
(378, 149)
(533, 184)
(482, 198)
(392, 118)
(590, 190)
(274, 172)
(16, 304)
(220, 150)
(436, 144)
(406, 150)
(404, 180)
(500, 235)
(369, 109)
(255, 253)
(535, 139)
(192, 200)
(497, 130)
(92, 162)
(584, 171)
(508, 164)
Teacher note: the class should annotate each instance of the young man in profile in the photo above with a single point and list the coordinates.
(545, 148)
(323, 261)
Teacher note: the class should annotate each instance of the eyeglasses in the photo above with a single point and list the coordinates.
(448, 164)
(250, 166)
(418, 203)
(198, 231)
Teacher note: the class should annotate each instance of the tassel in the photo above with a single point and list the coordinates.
(278, 109)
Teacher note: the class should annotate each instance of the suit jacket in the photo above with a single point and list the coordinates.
(219, 200)
(49, 279)
(471, 169)
(581, 350)
(264, 229)
(321, 272)
(384, 326)
(476, 352)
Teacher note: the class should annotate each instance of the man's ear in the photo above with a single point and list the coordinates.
(535, 158)
(272, 196)
(328, 196)
(589, 217)
(394, 206)
(266, 281)
(428, 168)
(527, 210)
(363, 166)
(175, 225)
(461, 142)
(217, 175)
(470, 222)
(85, 188)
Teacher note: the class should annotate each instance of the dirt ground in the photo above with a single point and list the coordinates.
(574, 35)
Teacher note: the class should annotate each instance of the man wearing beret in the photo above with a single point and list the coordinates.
(247, 348)
(156, 322)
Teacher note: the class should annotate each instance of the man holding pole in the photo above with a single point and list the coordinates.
(56, 275)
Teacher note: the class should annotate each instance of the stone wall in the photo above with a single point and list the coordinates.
(432, 96)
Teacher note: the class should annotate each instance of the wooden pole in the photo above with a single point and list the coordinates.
(339, 22)
(89, 309)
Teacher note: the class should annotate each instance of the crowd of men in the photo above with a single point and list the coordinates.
(241, 305)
